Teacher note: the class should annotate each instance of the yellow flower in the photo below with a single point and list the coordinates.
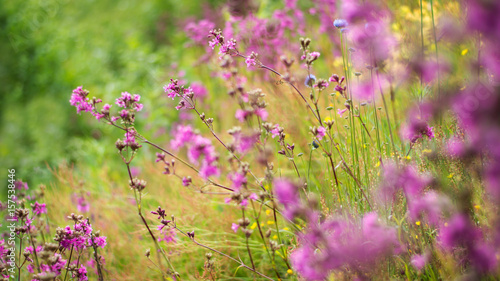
(417, 223)
(478, 207)
(451, 175)
(327, 119)
(270, 222)
(377, 165)
(426, 151)
(275, 237)
(416, 236)
(286, 229)
(289, 271)
(464, 52)
(268, 212)
(254, 225)
(408, 157)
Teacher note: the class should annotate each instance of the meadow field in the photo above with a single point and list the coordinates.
(250, 140)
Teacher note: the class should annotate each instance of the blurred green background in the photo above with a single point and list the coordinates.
(50, 47)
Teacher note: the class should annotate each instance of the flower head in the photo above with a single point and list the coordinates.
(340, 23)
(310, 80)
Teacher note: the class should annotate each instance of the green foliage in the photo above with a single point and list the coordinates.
(50, 47)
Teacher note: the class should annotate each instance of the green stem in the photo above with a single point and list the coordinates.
(436, 47)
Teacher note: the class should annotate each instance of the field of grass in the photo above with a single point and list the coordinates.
(261, 140)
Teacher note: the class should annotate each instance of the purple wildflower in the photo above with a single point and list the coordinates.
(39, 208)
(80, 100)
(235, 227)
(420, 261)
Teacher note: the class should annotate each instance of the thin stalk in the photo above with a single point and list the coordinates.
(256, 217)
(69, 262)
(422, 38)
(185, 163)
(436, 47)
(20, 249)
(386, 113)
(222, 254)
(139, 210)
(246, 241)
(375, 113)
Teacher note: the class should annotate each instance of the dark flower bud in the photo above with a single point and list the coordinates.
(287, 62)
(120, 145)
(329, 123)
(307, 42)
(321, 84)
(347, 105)
(135, 146)
(274, 245)
(268, 233)
(138, 184)
(262, 195)
(244, 222)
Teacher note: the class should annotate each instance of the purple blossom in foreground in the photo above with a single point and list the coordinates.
(287, 194)
(336, 244)
(420, 261)
(407, 179)
(428, 207)
(458, 232)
